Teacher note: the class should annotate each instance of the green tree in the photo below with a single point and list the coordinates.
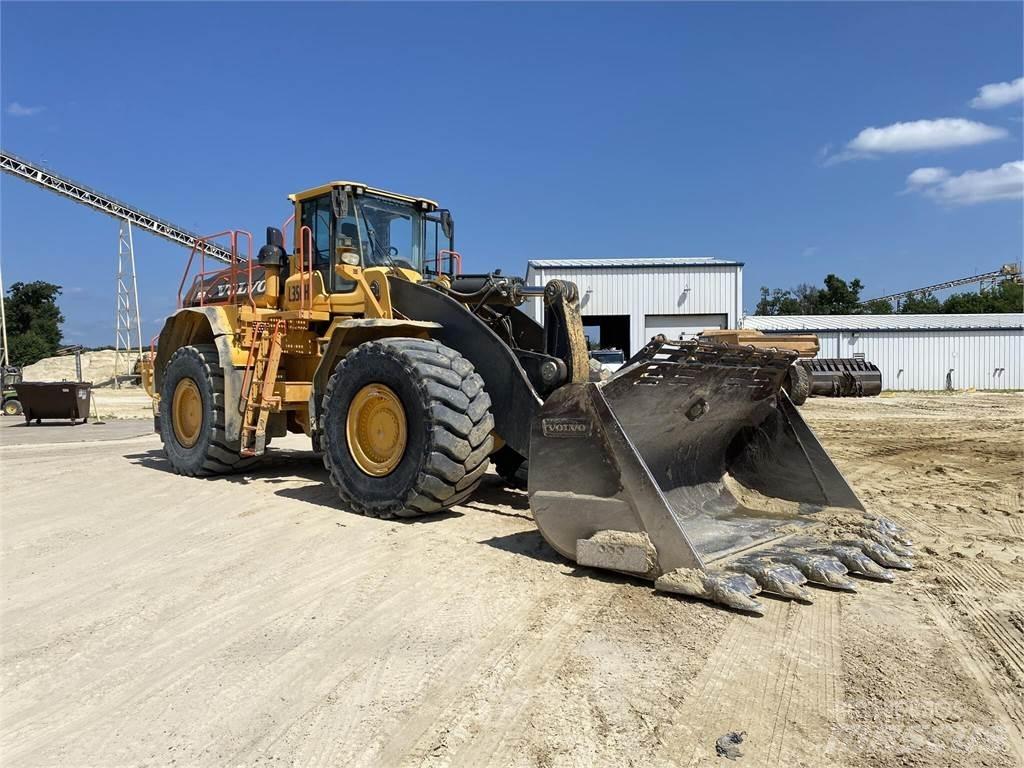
(920, 304)
(33, 321)
(1007, 296)
(839, 297)
(965, 303)
(876, 307)
(808, 299)
(777, 302)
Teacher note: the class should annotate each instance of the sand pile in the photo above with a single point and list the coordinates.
(97, 367)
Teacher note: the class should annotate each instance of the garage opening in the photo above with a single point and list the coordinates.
(607, 332)
(682, 326)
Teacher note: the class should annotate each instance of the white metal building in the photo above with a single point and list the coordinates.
(919, 351)
(626, 301)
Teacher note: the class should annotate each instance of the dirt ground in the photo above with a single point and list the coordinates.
(151, 619)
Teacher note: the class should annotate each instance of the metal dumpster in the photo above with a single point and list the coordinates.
(54, 400)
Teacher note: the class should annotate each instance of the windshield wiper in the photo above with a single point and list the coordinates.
(375, 246)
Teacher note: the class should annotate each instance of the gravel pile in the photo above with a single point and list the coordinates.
(97, 367)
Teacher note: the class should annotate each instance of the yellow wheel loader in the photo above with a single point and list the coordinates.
(688, 467)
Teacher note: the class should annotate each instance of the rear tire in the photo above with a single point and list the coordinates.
(798, 384)
(12, 407)
(211, 453)
(447, 428)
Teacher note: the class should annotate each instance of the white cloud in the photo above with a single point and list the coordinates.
(943, 133)
(971, 187)
(996, 95)
(924, 176)
(14, 109)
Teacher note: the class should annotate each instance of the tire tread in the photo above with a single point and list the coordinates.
(459, 421)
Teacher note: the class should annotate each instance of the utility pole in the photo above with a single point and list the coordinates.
(127, 322)
(3, 318)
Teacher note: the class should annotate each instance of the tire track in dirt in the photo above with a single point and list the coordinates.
(225, 608)
(778, 678)
(1000, 652)
(441, 667)
(979, 666)
(1005, 637)
(540, 658)
(326, 735)
(118, 691)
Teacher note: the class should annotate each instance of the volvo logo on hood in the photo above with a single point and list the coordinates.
(216, 287)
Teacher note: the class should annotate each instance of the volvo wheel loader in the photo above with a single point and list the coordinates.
(689, 466)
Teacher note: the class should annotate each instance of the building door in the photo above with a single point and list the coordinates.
(608, 332)
(682, 326)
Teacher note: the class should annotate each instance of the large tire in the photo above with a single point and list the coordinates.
(798, 384)
(448, 428)
(12, 407)
(212, 453)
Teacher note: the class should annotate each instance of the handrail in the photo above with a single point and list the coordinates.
(454, 262)
(305, 276)
(204, 245)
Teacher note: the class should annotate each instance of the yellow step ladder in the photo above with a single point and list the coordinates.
(258, 386)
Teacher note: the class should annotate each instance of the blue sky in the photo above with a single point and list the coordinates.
(552, 130)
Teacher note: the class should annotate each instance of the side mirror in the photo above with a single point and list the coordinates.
(339, 203)
(447, 224)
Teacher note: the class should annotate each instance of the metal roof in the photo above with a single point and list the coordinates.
(1005, 320)
(695, 261)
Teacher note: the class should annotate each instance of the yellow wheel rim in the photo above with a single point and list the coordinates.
(376, 429)
(187, 412)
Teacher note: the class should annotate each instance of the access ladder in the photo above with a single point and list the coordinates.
(258, 386)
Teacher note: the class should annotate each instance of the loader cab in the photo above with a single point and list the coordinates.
(358, 225)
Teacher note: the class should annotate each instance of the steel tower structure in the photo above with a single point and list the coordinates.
(128, 322)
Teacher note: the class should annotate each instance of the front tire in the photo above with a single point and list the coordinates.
(12, 407)
(192, 415)
(405, 428)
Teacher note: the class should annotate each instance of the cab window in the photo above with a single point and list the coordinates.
(317, 215)
(390, 233)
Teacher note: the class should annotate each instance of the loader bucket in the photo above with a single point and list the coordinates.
(692, 468)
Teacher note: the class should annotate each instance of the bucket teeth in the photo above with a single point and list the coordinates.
(887, 527)
(881, 554)
(855, 560)
(887, 541)
(777, 578)
(820, 569)
(735, 590)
